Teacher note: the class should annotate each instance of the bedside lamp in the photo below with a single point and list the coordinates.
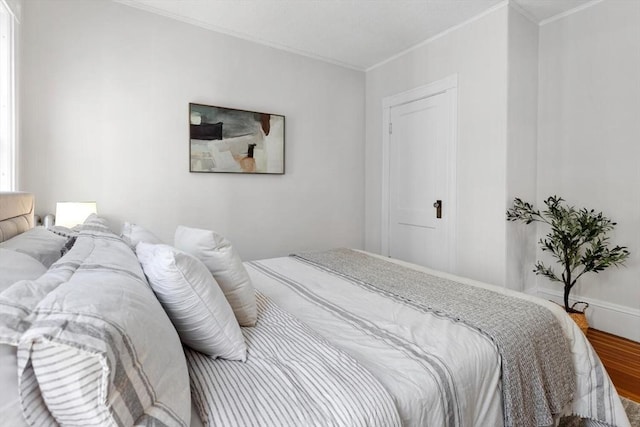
(70, 214)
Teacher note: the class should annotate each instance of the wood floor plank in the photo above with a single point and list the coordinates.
(621, 358)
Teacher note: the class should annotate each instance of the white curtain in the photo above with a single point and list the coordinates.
(10, 13)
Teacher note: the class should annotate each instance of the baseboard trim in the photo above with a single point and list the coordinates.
(602, 315)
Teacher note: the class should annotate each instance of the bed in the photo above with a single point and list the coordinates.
(94, 331)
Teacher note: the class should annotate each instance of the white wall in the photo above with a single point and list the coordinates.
(589, 143)
(105, 93)
(522, 126)
(477, 52)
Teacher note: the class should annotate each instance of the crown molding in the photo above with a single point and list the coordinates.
(238, 35)
(489, 11)
(569, 12)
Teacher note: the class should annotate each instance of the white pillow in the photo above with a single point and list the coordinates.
(16, 266)
(133, 234)
(194, 302)
(226, 266)
(39, 243)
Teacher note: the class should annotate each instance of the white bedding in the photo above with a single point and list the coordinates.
(438, 372)
(372, 333)
(28, 255)
(405, 349)
(39, 243)
(292, 378)
(21, 259)
(18, 266)
(94, 346)
(10, 411)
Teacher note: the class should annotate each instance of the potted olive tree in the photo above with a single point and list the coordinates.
(578, 241)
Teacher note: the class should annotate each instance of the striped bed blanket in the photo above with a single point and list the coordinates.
(443, 367)
(292, 377)
(537, 371)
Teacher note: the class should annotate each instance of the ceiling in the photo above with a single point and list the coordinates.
(357, 34)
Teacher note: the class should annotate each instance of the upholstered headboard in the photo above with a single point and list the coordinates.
(16, 213)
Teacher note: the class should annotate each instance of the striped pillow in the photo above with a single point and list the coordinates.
(93, 373)
(99, 349)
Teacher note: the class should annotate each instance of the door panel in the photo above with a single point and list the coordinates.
(417, 178)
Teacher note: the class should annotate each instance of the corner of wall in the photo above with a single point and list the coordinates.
(614, 318)
(521, 151)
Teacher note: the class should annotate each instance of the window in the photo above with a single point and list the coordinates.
(7, 100)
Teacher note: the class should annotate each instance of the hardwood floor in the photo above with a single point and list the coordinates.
(621, 358)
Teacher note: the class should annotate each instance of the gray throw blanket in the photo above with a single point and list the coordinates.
(537, 371)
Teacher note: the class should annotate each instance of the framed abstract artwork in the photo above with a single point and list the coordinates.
(235, 141)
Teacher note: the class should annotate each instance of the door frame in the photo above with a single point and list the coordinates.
(448, 85)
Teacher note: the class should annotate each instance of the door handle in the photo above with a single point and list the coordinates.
(438, 206)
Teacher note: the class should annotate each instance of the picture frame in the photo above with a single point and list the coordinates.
(228, 140)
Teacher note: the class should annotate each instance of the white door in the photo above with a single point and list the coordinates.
(420, 198)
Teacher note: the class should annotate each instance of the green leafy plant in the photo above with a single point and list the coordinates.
(578, 240)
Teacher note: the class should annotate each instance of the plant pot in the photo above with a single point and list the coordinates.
(579, 316)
